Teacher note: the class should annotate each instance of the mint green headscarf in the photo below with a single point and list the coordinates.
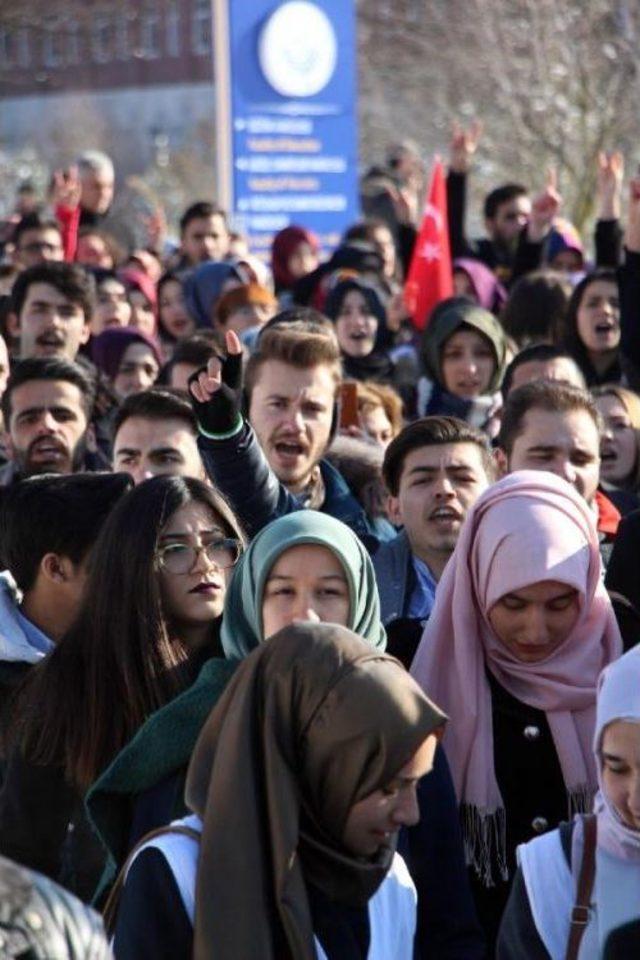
(242, 619)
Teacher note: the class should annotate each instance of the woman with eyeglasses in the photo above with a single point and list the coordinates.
(148, 625)
(305, 566)
(327, 576)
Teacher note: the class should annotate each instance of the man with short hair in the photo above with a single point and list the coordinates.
(541, 361)
(97, 178)
(51, 309)
(204, 234)
(37, 239)
(47, 528)
(155, 432)
(434, 471)
(291, 384)
(46, 406)
(555, 426)
(506, 213)
(274, 463)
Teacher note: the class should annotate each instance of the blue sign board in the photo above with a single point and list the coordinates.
(293, 137)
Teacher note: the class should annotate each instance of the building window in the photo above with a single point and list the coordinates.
(201, 27)
(7, 48)
(23, 48)
(124, 29)
(74, 46)
(101, 39)
(53, 52)
(173, 29)
(150, 34)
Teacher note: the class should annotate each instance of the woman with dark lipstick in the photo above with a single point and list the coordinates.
(521, 628)
(150, 619)
(305, 566)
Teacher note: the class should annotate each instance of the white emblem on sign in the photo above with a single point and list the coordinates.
(297, 49)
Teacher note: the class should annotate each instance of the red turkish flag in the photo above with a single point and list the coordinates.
(430, 276)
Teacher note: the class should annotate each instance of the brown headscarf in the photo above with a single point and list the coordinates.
(311, 723)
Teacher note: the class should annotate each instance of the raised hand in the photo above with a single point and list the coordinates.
(610, 173)
(632, 232)
(463, 146)
(215, 391)
(544, 208)
(66, 189)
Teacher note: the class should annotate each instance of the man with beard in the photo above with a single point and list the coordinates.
(51, 308)
(204, 234)
(274, 462)
(47, 406)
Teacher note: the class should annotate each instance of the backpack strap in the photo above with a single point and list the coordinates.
(580, 914)
(110, 910)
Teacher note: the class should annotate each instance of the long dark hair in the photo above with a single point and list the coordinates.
(567, 335)
(118, 663)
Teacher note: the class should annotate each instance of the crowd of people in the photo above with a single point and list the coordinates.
(319, 627)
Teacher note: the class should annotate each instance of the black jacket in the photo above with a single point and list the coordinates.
(239, 469)
(499, 259)
(532, 787)
(448, 927)
(44, 826)
(622, 578)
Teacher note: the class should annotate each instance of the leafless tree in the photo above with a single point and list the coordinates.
(554, 81)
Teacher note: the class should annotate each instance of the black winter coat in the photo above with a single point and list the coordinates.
(532, 788)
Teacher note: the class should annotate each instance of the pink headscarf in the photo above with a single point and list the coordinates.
(529, 527)
(618, 699)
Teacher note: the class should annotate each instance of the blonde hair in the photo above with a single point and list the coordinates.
(299, 345)
(372, 395)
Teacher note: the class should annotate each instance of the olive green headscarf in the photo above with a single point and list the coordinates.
(242, 620)
(448, 317)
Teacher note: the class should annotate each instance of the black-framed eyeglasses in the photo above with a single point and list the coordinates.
(180, 558)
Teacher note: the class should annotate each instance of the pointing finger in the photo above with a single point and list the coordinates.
(232, 342)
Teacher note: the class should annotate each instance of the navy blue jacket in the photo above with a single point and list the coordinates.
(239, 469)
(395, 577)
(448, 927)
